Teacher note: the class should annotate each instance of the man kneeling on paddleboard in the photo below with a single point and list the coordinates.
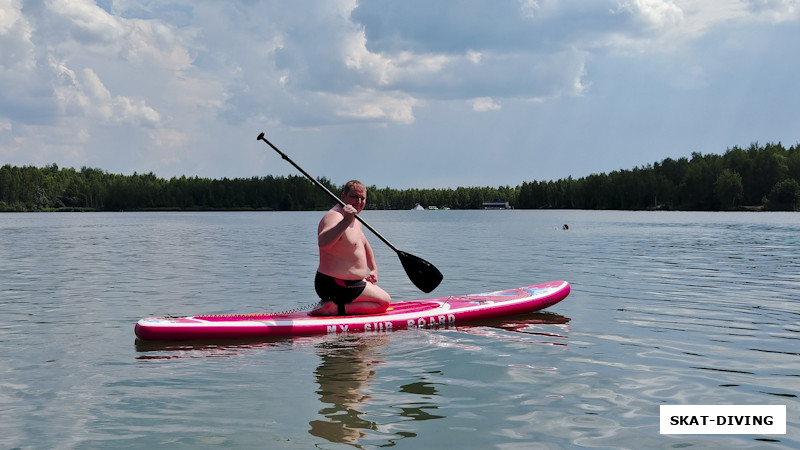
(347, 272)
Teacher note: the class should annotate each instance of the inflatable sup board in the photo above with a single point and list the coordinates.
(442, 312)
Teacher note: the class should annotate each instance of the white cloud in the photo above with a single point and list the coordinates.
(372, 106)
(15, 38)
(84, 22)
(483, 104)
(474, 57)
(94, 87)
(153, 41)
(529, 8)
(655, 14)
(85, 95)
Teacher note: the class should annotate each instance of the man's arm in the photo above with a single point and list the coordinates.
(372, 277)
(333, 225)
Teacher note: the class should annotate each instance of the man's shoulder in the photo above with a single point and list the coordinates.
(333, 214)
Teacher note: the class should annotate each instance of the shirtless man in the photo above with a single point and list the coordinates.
(347, 272)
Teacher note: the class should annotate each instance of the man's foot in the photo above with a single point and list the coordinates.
(324, 308)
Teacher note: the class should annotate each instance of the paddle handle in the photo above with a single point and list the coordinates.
(331, 194)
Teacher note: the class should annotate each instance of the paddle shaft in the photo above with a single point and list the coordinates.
(321, 186)
(423, 274)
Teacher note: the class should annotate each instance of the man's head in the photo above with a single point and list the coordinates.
(355, 193)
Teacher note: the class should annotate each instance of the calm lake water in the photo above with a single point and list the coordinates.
(666, 308)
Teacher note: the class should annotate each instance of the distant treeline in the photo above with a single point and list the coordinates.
(759, 177)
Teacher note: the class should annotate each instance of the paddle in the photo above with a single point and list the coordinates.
(422, 273)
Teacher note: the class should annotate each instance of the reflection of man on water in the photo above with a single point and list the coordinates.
(347, 368)
(342, 375)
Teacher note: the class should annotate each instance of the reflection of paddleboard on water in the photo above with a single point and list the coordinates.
(440, 312)
(541, 328)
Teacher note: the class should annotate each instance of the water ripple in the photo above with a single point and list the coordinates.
(666, 308)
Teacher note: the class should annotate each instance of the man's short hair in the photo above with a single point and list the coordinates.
(351, 184)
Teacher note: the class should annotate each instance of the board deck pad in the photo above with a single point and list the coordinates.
(441, 312)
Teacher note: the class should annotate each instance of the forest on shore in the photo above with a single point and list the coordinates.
(760, 177)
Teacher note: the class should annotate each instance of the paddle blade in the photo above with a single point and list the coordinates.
(422, 273)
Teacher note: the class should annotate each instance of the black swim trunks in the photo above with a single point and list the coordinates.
(338, 291)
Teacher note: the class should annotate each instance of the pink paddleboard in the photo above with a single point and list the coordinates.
(442, 312)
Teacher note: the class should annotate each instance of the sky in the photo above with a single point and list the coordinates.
(400, 94)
